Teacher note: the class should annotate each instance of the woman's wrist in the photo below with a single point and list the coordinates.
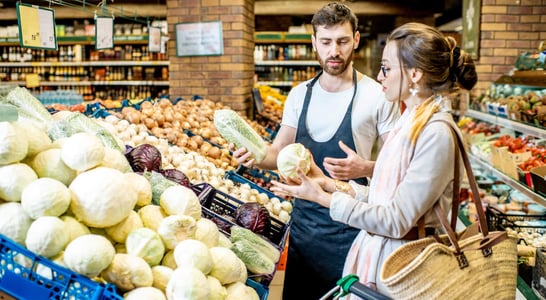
(341, 186)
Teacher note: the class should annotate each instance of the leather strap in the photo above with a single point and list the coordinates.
(489, 240)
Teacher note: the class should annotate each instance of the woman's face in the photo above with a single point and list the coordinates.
(390, 74)
(335, 46)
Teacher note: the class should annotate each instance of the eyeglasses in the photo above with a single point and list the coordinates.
(385, 70)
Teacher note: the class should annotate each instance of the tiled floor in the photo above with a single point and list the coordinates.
(275, 288)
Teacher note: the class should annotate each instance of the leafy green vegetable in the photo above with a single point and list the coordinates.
(236, 130)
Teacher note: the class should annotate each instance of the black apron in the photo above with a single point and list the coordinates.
(318, 245)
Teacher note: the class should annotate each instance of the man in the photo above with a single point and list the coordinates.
(338, 116)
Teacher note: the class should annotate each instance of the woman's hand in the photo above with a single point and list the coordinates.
(242, 156)
(303, 187)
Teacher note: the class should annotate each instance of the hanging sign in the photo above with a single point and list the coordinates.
(164, 40)
(36, 27)
(199, 39)
(154, 39)
(104, 33)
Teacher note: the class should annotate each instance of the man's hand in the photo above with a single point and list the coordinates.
(241, 155)
(351, 167)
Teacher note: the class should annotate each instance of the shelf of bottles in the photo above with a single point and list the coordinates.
(126, 70)
(284, 65)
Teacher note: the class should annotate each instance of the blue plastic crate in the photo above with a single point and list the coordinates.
(263, 292)
(25, 275)
(220, 208)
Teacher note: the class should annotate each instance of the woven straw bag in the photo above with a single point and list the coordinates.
(473, 264)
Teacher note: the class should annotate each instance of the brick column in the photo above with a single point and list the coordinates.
(227, 78)
(508, 28)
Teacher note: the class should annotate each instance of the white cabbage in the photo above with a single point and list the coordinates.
(193, 253)
(178, 199)
(176, 228)
(188, 283)
(147, 244)
(291, 158)
(14, 222)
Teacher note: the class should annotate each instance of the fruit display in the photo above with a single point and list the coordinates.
(78, 191)
(524, 105)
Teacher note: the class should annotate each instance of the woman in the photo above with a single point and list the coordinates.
(415, 167)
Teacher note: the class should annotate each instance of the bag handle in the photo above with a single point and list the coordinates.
(489, 240)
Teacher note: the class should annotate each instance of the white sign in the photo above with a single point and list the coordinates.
(104, 33)
(199, 39)
(154, 39)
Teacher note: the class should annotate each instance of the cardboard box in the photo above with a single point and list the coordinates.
(498, 155)
(510, 164)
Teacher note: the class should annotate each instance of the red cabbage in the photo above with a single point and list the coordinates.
(176, 176)
(144, 157)
(253, 216)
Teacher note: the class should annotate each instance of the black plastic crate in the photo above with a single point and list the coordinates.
(235, 177)
(224, 206)
(220, 208)
(499, 220)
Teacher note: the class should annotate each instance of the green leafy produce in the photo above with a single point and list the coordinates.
(27, 105)
(159, 184)
(236, 130)
(242, 234)
(255, 261)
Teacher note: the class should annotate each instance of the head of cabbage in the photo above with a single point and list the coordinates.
(291, 158)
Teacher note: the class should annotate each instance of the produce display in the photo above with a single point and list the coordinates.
(91, 208)
(527, 105)
(506, 208)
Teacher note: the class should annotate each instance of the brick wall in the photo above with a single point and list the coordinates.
(227, 78)
(508, 28)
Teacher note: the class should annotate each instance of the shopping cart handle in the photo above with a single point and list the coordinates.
(350, 284)
(366, 293)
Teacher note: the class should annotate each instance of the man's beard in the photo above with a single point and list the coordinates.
(335, 70)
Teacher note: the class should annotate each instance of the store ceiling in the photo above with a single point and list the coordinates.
(279, 14)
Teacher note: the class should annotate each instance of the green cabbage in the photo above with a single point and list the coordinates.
(236, 130)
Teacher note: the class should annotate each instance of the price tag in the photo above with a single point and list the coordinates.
(32, 80)
(104, 33)
(37, 27)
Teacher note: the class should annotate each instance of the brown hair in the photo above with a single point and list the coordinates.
(444, 65)
(334, 13)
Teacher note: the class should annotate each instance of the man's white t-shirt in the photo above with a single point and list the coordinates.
(372, 114)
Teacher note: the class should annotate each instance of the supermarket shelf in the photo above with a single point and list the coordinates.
(509, 124)
(99, 83)
(110, 63)
(286, 63)
(508, 180)
(84, 39)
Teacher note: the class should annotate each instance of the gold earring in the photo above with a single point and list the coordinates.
(414, 89)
